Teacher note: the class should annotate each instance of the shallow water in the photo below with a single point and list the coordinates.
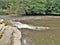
(46, 37)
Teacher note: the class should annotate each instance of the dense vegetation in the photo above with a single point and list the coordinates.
(30, 7)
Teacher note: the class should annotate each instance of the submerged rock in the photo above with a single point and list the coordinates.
(27, 40)
(21, 25)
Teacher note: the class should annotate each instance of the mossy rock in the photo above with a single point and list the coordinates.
(1, 34)
(7, 22)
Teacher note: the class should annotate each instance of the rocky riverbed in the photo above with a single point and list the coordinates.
(11, 35)
(45, 37)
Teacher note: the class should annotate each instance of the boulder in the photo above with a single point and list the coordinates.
(26, 26)
(11, 36)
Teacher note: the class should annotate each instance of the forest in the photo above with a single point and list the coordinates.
(30, 7)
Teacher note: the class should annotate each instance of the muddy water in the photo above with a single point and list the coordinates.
(46, 37)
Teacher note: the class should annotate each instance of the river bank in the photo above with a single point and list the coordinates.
(47, 37)
(12, 17)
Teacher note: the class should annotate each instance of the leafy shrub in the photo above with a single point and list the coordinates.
(42, 6)
(3, 12)
(52, 7)
(35, 6)
(30, 7)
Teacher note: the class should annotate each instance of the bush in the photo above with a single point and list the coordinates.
(30, 7)
(3, 12)
(42, 6)
(34, 6)
(52, 7)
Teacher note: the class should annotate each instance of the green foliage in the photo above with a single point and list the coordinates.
(10, 7)
(3, 12)
(30, 7)
(42, 6)
(35, 6)
(53, 7)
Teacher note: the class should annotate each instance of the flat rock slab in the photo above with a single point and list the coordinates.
(11, 36)
(6, 36)
(16, 37)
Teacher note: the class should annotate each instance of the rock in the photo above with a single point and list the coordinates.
(6, 36)
(1, 20)
(1, 26)
(11, 36)
(27, 40)
(21, 25)
(16, 37)
(42, 28)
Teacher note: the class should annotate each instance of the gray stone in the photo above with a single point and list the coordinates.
(21, 25)
(16, 37)
(11, 36)
(6, 36)
(1, 26)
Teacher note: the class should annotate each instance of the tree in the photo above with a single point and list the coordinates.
(52, 7)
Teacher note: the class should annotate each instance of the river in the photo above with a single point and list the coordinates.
(47, 37)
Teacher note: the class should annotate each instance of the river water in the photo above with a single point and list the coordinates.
(46, 37)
